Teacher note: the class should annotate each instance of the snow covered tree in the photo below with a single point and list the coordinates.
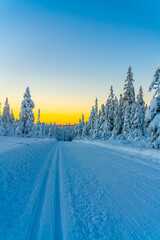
(142, 110)
(153, 112)
(121, 114)
(2, 130)
(133, 110)
(96, 131)
(129, 92)
(92, 122)
(50, 133)
(55, 130)
(83, 120)
(80, 128)
(13, 124)
(96, 107)
(85, 132)
(126, 126)
(155, 84)
(0, 110)
(6, 119)
(101, 119)
(111, 95)
(106, 132)
(116, 118)
(111, 110)
(26, 116)
(39, 127)
(137, 124)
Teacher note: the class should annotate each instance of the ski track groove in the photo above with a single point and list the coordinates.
(39, 202)
(57, 209)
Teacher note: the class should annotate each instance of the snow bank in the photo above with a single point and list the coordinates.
(9, 143)
(130, 147)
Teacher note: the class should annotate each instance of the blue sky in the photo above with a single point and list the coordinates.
(70, 52)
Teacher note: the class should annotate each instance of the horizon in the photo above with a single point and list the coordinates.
(70, 53)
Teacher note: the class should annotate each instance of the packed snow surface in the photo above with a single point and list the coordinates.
(77, 190)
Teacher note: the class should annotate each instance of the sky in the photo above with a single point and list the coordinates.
(70, 52)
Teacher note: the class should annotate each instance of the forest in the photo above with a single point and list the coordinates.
(126, 117)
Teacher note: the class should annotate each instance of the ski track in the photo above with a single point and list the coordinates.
(76, 191)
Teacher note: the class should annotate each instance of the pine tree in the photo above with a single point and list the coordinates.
(137, 126)
(126, 126)
(116, 118)
(13, 124)
(80, 128)
(26, 116)
(38, 127)
(84, 132)
(111, 110)
(121, 114)
(101, 119)
(96, 107)
(106, 132)
(50, 133)
(96, 131)
(133, 110)
(129, 92)
(155, 85)
(142, 111)
(107, 110)
(91, 122)
(153, 111)
(2, 130)
(6, 119)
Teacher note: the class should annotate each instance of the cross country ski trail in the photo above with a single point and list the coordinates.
(77, 191)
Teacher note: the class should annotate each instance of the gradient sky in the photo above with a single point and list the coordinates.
(70, 52)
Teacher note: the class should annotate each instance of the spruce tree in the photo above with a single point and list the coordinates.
(142, 111)
(6, 119)
(111, 110)
(96, 131)
(106, 132)
(137, 125)
(101, 119)
(2, 130)
(50, 132)
(116, 118)
(153, 111)
(84, 132)
(26, 116)
(129, 92)
(121, 114)
(127, 120)
(96, 107)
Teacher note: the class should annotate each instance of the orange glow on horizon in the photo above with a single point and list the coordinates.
(57, 118)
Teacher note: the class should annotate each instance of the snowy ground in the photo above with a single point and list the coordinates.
(78, 190)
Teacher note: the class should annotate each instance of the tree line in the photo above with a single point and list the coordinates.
(25, 126)
(126, 118)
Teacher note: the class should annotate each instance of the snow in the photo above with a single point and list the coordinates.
(9, 143)
(152, 109)
(78, 190)
(156, 122)
(139, 148)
